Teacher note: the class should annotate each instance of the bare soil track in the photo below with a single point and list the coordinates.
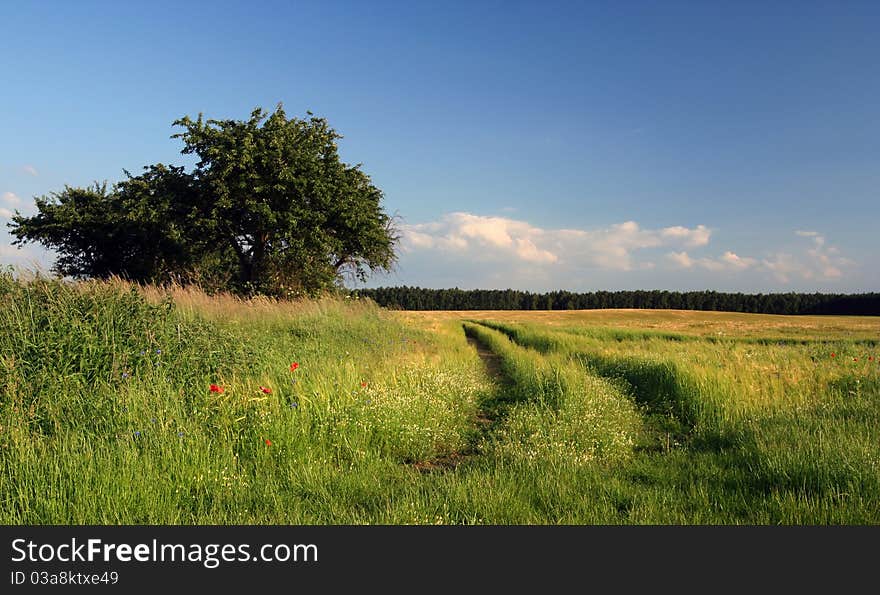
(483, 419)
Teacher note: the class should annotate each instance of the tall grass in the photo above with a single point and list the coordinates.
(787, 430)
(708, 380)
(106, 416)
(558, 414)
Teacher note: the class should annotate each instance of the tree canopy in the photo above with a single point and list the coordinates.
(268, 208)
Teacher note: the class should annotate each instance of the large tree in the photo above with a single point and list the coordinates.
(269, 208)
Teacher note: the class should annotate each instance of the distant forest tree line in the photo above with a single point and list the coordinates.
(418, 298)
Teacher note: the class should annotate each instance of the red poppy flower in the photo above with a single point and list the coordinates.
(870, 358)
(855, 359)
(293, 366)
(268, 391)
(217, 389)
(832, 355)
(268, 442)
(363, 385)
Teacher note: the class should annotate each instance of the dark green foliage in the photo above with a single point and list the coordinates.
(139, 229)
(269, 208)
(418, 298)
(278, 196)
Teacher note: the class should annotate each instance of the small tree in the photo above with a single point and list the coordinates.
(269, 208)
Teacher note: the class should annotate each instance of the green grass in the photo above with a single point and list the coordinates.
(106, 416)
(738, 432)
(558, 414)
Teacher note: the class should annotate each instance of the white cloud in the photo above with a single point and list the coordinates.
(6, 213)
(613, 247)
(698, 236)
(419, 240)
(711, 264)
(821, 262)
(528, 251)
(10, 198)
(727, 262)
(681, 259)
(499, 250)
(30, 170)
(818, 238)
(483, 238)
(783, 266)
(826, 259)
(736, 261)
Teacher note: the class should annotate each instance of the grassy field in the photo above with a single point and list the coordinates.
(129, 405)
(718, 325)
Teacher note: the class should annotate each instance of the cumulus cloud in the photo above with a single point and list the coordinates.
(495, 238)
(827, 259)
(30, 170)
(728, 261)
(681, 259)
(6, 213)
(821, 261)
(784, 266)
(698, 236)
(613, 247)
(484, 236)
(10, 198)
(500, 251)
(737, 262)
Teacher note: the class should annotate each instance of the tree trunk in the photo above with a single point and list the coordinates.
(245, 268)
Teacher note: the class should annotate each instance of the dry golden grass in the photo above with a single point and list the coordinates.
(732, 324)
(226, 306)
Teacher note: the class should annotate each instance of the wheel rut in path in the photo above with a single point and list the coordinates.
(485, 418)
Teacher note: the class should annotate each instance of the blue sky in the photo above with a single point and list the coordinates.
(552, 145)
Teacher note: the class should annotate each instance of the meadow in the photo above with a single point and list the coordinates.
(122, 404)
